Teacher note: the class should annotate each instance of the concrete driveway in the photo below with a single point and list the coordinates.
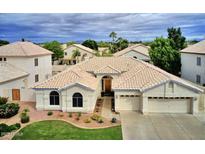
(136, 126)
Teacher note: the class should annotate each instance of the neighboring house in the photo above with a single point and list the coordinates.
(58, 68)
(85, 53)
(133, 84)
(138, 51)
(193, 63)
(23, 64)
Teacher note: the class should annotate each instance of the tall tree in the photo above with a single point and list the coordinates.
(113, 35)
(164, 56)
(91, 44)
(178, 42)
(56, 48)
(3, 42)
(121, 43)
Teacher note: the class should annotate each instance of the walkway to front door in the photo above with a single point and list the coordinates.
(107, 109)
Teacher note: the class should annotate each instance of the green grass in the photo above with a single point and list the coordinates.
(60, 130)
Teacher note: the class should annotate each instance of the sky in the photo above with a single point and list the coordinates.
(81, 26)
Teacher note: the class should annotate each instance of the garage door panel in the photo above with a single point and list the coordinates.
(169, 105)
(128, 103)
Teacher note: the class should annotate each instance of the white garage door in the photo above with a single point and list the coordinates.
(128, 103)
(169, 105)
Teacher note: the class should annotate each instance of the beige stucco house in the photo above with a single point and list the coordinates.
(23, 64)
(133, 84)
(193, 63)
(85, 53)
(137, 51)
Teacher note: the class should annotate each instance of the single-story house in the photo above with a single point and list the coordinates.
(137, 51)
(133, 84)
(85, 53)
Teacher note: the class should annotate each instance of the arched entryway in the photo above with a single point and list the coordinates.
(107, 86)
(54, 98)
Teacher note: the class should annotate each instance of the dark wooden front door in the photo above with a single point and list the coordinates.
(107, 85)
(16, 94)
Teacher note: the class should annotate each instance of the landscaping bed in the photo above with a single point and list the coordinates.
(60, 130)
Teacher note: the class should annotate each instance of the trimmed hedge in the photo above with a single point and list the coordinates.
(8, 110)
(4, 128)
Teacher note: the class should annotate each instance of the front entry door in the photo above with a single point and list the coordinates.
(107, 85)
(16, 94)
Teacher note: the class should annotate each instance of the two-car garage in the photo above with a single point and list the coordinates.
(169, 105)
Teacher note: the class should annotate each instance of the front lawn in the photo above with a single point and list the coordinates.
(60, 130)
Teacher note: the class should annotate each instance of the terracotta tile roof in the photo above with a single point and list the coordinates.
(134, 75)
(140, 48)
(9, 72)
(196, 48)
(107, 70)
(24, 49)
(69, 77)
(84, 48)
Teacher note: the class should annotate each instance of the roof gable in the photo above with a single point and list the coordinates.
(82, 47)
(196, 48)
(23, 49)
(139, 48)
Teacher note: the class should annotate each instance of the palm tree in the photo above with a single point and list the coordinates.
(76, 54)
(113, 35)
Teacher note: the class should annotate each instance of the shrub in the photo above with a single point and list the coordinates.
(50, 113)
(70, 115)
(4, 128)
(114, 120)
(8, 110)
(87, 120)
(14, 127)
(77, 118)
(100, 120)
(3, 100)
(95, 117)
(26, 110)
(25, 119)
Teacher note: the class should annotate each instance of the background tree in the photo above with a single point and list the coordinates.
(3, 42)
(91, 44)
(164, 56)
(178, 42)
(122, 43)
(56, 48)
(70, 43)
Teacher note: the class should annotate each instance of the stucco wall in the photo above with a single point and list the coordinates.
(69, 52)
(89, 99)
(26, 94)
(44, 70)
(160, 91)
(190, 69)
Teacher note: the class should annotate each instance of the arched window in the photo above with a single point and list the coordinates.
(54, 98)
(77, 100)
